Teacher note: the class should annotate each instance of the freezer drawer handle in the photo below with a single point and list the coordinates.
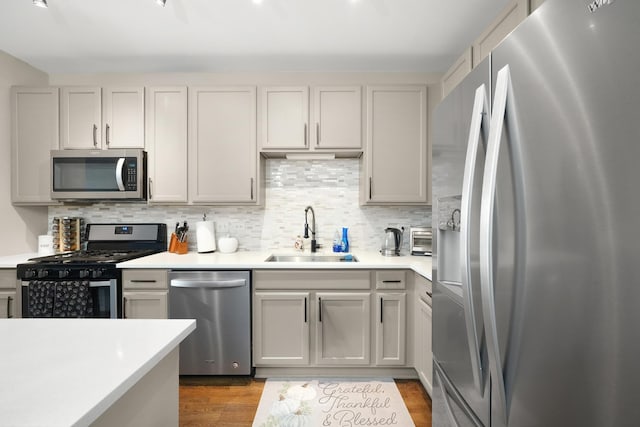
(479, 126)
(445, 386)
(209, 284)
(503, 106)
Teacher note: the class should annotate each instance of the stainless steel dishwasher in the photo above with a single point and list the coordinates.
(220, 301)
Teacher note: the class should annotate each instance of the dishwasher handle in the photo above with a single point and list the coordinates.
(208, 284)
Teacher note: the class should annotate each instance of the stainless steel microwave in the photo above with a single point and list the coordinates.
(99, 174)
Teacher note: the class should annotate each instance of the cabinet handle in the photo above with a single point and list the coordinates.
(143, 281)
(317, 134)
(251, 188)
(305, 134)
(429, 294)
(305, 309)
(370, 186)
(150, 189)
(9, 314)
(319, 309)
(381, 308)
(124, 307)
(95, 135)
(108, 132)
(392, 281)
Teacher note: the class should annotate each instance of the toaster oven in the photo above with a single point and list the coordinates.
(421, 239)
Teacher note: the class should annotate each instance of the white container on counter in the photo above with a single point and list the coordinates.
(205, 236)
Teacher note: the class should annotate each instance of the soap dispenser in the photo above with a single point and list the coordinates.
(345, 240)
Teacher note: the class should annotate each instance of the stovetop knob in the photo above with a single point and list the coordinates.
(98, 272)
(29, 274)
(83, 274)
(63, 273)
(42, 273)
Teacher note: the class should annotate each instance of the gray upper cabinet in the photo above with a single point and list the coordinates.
(330, 121)
(396, 156)
(166, 144)
(285, 117)
(34, 132)
(95, 118)
(80, 118)
(223, 159)
(337, 113)
(123, 117)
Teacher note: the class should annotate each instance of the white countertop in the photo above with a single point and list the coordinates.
(64, 372)
(11, 261)
(251, 260)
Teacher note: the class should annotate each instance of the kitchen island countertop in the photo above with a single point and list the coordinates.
(255, 260)
(64, 372)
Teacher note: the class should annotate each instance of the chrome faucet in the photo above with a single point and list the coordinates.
(314, 245)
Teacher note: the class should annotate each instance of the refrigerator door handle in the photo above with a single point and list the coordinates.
(487, 216)
(479, 116)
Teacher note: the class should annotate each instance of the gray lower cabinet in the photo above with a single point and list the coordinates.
(145, 294)
(281, 328)
(9, 303)
(423, 334)
(325, 318)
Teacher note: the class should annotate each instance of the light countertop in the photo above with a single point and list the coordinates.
(255, 260)
(65, 372)
(11, 261)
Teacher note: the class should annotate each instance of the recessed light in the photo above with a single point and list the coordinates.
(161, 2)
(40, 3)
(257, 1)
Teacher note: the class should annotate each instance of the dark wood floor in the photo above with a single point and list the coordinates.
(232, 402)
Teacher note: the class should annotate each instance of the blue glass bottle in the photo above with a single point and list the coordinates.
(345, 239)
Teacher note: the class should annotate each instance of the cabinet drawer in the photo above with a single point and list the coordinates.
(391, 279)
(311, 279)
(423, 288)
(144, 279)
(8, 279)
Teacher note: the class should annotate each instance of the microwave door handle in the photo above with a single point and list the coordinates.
(119, 168)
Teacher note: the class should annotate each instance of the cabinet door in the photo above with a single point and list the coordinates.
(513, 14)
(34, 132)
(123, 117)
(80, 118)
(424, 355)
(397, 149)
(166, 143)
(222, 145)
(337, 117)
(145, 305)
(342, 328)
(281, 328)
(285, 117)
(8, 305)
(391, 329)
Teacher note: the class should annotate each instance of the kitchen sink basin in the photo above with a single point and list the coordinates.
(312, 258)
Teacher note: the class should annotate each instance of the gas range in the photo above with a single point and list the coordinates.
(107, 245)
(50, 284)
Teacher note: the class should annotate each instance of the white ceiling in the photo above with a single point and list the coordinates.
(87, 36)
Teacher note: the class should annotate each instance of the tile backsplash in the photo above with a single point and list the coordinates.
(331, 187)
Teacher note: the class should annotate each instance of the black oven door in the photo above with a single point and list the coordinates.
(70, 298)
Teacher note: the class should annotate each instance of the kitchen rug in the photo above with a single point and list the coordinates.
(331, 403)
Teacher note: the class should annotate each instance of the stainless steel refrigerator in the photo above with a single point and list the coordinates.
(536, 184)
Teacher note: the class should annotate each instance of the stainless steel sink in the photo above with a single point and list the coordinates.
(312, 258)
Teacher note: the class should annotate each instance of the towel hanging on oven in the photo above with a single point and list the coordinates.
(70, 298)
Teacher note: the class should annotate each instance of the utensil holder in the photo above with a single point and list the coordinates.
(178, 247)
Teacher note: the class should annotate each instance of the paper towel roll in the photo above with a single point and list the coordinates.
(205, 236)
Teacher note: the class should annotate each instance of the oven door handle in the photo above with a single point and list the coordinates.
(119, 169)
